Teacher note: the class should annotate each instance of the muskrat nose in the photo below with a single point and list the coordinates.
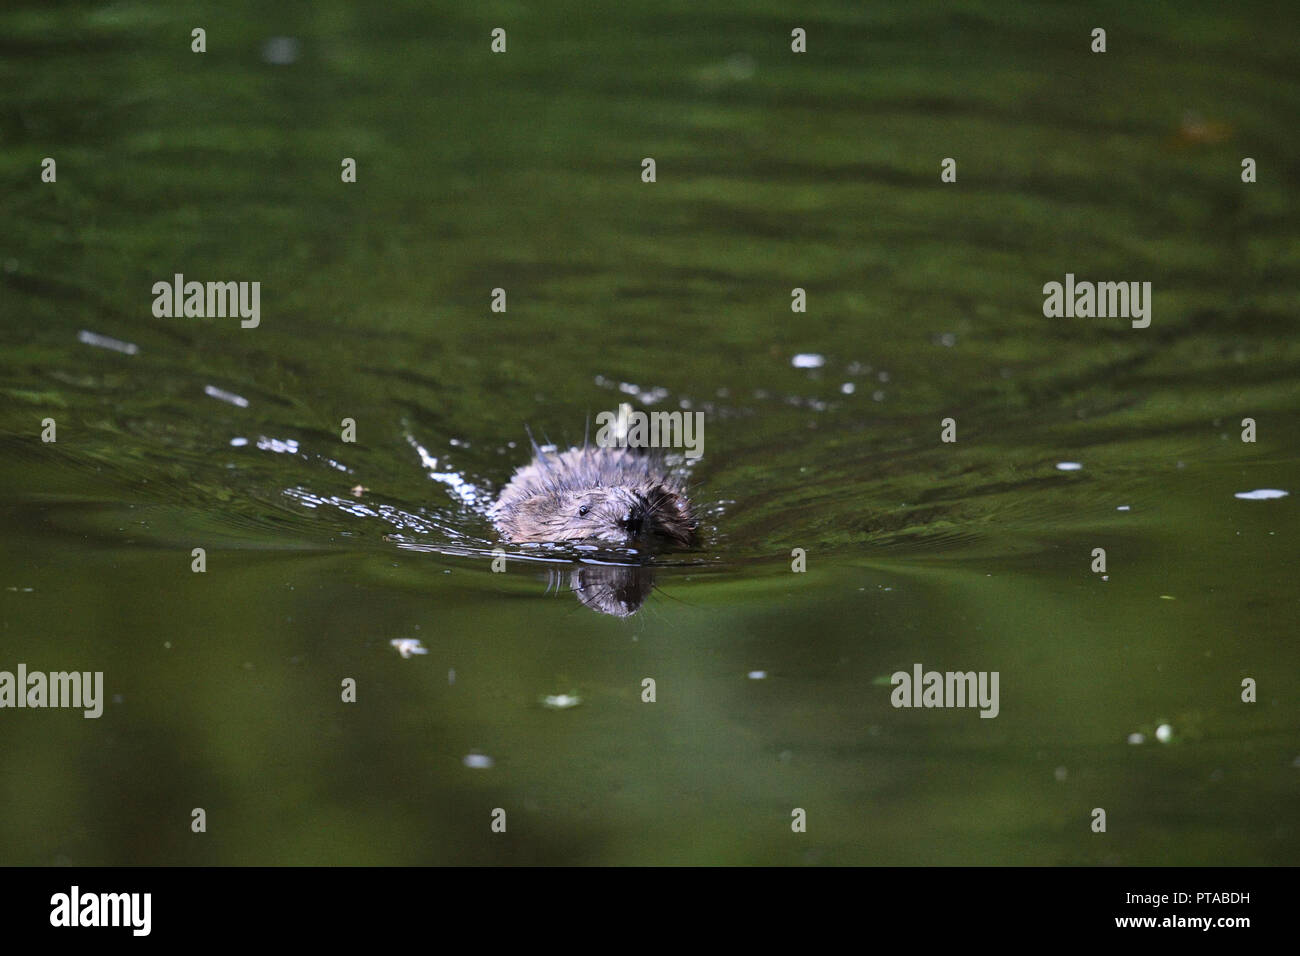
(632, 521)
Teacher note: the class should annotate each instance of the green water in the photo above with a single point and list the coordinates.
(775, 170)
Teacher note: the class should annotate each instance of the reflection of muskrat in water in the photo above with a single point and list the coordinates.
(617, 589)
(613, 496)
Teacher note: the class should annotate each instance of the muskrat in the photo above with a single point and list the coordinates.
(595, 495)
(616, 589)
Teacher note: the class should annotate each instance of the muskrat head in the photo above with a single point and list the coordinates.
(616, 515)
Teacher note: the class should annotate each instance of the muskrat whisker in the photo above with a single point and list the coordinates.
(658, 590)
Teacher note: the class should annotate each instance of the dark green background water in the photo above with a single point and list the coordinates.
(775, 170)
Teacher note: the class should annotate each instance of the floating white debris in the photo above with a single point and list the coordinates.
(238, 442)
(1123, 508)
(1069, 466)
(1261, 494)
(646, 396)
(1136, 739)
(104, 342)
(286, 447)
(808, 360)
(406, 646)
(757, 675)
(848, 388)
(1164, 733)
(280, 51)
(739, 66)
(223, 396)
(561, 701)
(478, 761)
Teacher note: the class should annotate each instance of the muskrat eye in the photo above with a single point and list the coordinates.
(582, 512)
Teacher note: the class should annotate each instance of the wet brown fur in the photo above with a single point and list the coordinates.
(610, 496)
